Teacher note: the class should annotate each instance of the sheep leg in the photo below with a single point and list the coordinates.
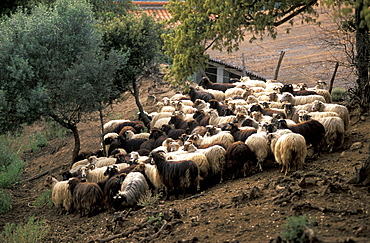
(259, 165)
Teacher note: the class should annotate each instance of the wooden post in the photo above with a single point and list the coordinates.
(282, 53)
(244, 72)
(333, 77)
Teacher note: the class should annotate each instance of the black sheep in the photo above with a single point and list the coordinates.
(207, 84)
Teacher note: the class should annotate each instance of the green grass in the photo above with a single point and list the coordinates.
(339, 94)
(44, 200)
(31, 232)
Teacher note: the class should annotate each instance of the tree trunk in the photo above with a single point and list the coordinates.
(101, 116)
(143, 116)
(77, 146)
(362, 61)
(73, 128)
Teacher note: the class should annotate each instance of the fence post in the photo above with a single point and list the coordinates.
(282, 53)
(333, 77)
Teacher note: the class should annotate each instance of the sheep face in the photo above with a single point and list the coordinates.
(317, 106)
(83, 171)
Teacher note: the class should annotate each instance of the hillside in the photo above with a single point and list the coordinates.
(250, 209)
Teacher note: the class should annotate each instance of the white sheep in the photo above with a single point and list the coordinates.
(152, 174)
(201, 105)
(223, 137)
(133, 188)
(258, 144)
(301, 100)
(179, 106)
(135, 157)
(215, 156)
(159, 116)
(129, 134)
(316, 114)
(230, 93)
(253, 83)
(112, 125)
(341, 110)
(60, 194)
(92, 174)
(290, 151)
(257, 115)
(161, 121)
(108, 139)
(215, 119)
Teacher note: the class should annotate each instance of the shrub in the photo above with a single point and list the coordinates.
(148, 199)
(11, 166)
(44, 199)
(55, 130)
(339, 94)
(5, 202)
(294, 229)
(37, 141)
(32, 231)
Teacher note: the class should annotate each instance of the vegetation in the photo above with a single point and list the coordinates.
(32, 231)
(339, 94)
(5, 202)
(139, 37)
(44, 199)
(43, 75)
(295, 228)
(221, 25)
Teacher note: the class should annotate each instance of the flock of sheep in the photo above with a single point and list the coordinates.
(208, 134)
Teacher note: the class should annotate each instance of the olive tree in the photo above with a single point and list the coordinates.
(52, 65)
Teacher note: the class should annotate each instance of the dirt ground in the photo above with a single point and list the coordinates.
(250, 209)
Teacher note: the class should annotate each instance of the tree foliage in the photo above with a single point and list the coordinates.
(221, 25)
(140, 38)
(52, 64)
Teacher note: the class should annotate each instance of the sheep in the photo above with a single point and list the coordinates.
(312, 130)
(234, 92)
(151, 172)
(112, 125)
(267, 111)
(289, 88)
(135, 157)
(316, 114)
(215, 156)
(218, 94)
(291, 111)
(179, 106)
(238, 158)
(258, 144)
(137, 125)
(134, 187)
(60, 194)
(341, 110)
(334, 131)
(92, 174)
(176, 175)
(237, 133)
(290, 151)
(108, 139)
(202, 118)
(301, 100)
(257, 116)
(128, 145)
(159, 116)
(252, 82)
(245, 122)
(198, 158)
(319, 89)
(200, 104)
(215, 119)
(207, 84)
(223, 137)
(131, 135)
(87, 196)
(161, 107)
(179, 123)
(199, 95)
(160, 122)
(110, 189)
(223, 110)
(178, 96)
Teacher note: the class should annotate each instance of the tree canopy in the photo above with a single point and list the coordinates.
(53, 65)
(221, 25)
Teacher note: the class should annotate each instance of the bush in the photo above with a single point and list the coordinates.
(339, 94)
(294, 229)
(11, 165)
(5, 202)
(55, 130)
(32, 231)
(37, 141)
(44, 199)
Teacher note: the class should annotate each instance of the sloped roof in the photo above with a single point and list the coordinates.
(157, 9)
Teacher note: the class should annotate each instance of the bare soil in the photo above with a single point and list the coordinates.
(250, 209)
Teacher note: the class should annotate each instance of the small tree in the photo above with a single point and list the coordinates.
(139, 37)
(52, 65)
